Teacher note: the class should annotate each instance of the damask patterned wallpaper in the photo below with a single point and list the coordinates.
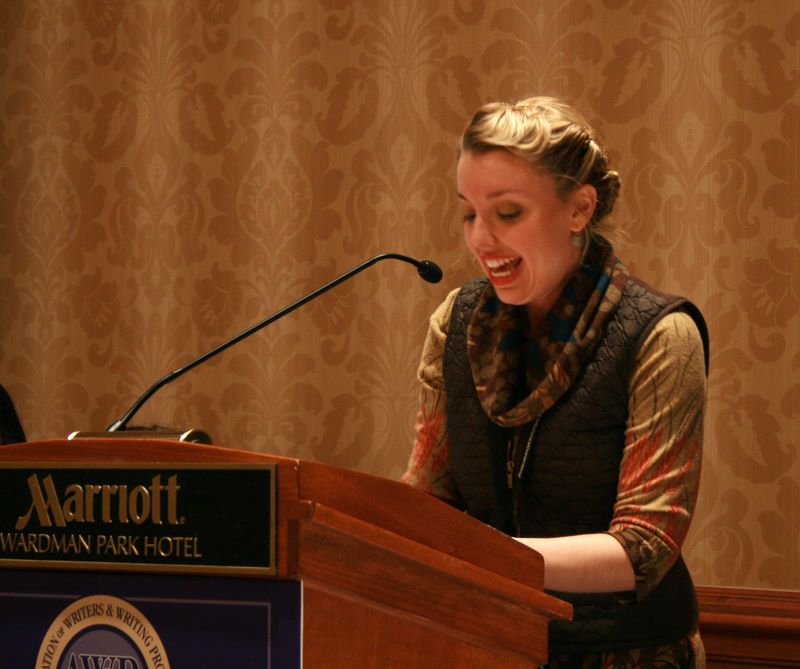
(172, 172)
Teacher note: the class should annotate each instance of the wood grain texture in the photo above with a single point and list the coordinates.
(750, 628)
(350, 632)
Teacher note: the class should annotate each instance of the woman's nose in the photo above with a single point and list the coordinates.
(481, 233)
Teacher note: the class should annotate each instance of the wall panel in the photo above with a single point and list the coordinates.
(172, 172)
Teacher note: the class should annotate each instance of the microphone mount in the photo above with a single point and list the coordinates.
(427, 269)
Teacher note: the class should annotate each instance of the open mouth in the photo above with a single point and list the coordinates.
(501, 268)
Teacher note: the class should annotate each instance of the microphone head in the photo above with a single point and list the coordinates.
(430, 271)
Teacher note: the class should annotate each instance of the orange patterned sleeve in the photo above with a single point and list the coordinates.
(660, 469)
(429, 466)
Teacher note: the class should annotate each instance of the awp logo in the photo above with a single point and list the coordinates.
(101, 632)
(88, 661)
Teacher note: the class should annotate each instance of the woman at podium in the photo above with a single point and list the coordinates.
(562, 397)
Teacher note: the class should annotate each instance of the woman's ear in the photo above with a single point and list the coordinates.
(584, 201)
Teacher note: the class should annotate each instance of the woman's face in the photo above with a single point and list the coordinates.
(519, 228)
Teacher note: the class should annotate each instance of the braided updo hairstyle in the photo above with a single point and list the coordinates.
(552, 136)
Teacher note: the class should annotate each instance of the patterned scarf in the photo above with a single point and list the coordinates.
(518, 377)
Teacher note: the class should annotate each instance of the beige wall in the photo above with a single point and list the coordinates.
(172, 172)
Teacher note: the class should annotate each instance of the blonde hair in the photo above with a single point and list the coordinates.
(552, 136)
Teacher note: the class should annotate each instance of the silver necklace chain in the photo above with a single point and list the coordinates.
(528, 447)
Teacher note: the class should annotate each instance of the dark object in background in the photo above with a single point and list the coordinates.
(10, 428)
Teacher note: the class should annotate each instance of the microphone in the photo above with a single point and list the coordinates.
(427, 269)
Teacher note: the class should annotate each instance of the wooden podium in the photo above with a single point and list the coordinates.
(386, 576)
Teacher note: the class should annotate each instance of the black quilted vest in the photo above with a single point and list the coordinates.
(569, 481)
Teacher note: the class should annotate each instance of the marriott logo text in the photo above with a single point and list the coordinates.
(103, 503)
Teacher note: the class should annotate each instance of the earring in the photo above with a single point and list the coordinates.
(578, 239)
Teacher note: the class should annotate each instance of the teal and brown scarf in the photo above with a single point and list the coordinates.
(520, 372)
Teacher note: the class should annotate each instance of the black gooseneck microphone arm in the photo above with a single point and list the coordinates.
(427, 269)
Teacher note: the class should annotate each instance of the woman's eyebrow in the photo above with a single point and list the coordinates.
(498, 193)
